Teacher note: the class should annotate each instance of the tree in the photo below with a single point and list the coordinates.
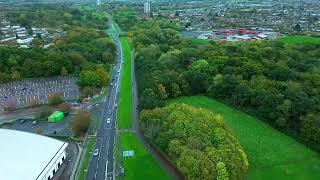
(222, 173)
(37, 42)
(15, 75)
(89, 78)
(175, 89)
(162, 91)
(64, 107)
(81, 122)
(54, 99)
(103, 74)
(63, 71)
(34, 102)
(149, 99)
(88, 91)
(10, 105)
(310, 128)
(194, 140)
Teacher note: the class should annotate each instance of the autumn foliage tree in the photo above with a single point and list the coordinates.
(196, 140)
(54, 99)
(81, 122)
(64, 107)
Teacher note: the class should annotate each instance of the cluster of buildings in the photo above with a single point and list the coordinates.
(281, 16)
(23, 37)
(238, 34)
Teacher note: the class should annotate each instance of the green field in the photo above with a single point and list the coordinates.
(85, 162)
(299, 39)
(141, 165)
(272, 154)
(200, 41)
(125, 104)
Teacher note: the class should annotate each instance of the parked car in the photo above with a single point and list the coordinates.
(34, 122)
(108, 120)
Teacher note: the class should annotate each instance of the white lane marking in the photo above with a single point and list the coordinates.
(106, 174)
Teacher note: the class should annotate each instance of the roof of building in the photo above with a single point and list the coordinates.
(25, 155)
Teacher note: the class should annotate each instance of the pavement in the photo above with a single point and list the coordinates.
(101, 166)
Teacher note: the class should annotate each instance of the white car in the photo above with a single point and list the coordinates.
(108, 120)
(96, 152)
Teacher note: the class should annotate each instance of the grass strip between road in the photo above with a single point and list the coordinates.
(272, 154)
(141, 165)
(85, 162)
(125, 101)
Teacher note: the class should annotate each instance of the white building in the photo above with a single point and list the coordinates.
(29, 156)
(146, 8)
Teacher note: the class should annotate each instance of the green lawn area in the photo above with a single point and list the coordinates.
(299, 39)
(141, 165)
(125, 104)
(272, 154)
(85, 162)
(200, 41)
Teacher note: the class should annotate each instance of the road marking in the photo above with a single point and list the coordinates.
(106, 174)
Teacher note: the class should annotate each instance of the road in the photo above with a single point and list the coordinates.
(101, 166)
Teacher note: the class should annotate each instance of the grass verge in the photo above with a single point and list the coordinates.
(272, 154)
(85, 162)
(299, 40)
(141, 165)
(125, 101)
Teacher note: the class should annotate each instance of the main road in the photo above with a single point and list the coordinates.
(101, 166)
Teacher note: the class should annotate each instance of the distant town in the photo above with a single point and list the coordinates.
(240, 21)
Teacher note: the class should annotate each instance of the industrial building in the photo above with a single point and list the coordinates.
(29, 156)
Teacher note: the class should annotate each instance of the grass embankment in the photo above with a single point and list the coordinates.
(272, 154)
(299, 39)
(125, 101)
(85, 162)
(141, 165)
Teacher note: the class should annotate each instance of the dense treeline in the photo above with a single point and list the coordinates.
(196, 140)
(56, 16)
(87, 53)
(275, 81)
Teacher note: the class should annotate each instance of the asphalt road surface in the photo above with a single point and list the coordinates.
(101, 166)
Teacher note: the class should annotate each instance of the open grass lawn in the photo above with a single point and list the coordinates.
(85, 162)
(141, 165)
(125, 104)
(200, 41)
(272, 154)
(299, 39)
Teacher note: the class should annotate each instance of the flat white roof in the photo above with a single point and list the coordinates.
(25, 155)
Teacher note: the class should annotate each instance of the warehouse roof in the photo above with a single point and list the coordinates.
(25, 155)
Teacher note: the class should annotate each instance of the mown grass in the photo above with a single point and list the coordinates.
(125, 101)
(85, 162)
(296, 39)
(272, 154)
(200, 41)
(141, 165)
